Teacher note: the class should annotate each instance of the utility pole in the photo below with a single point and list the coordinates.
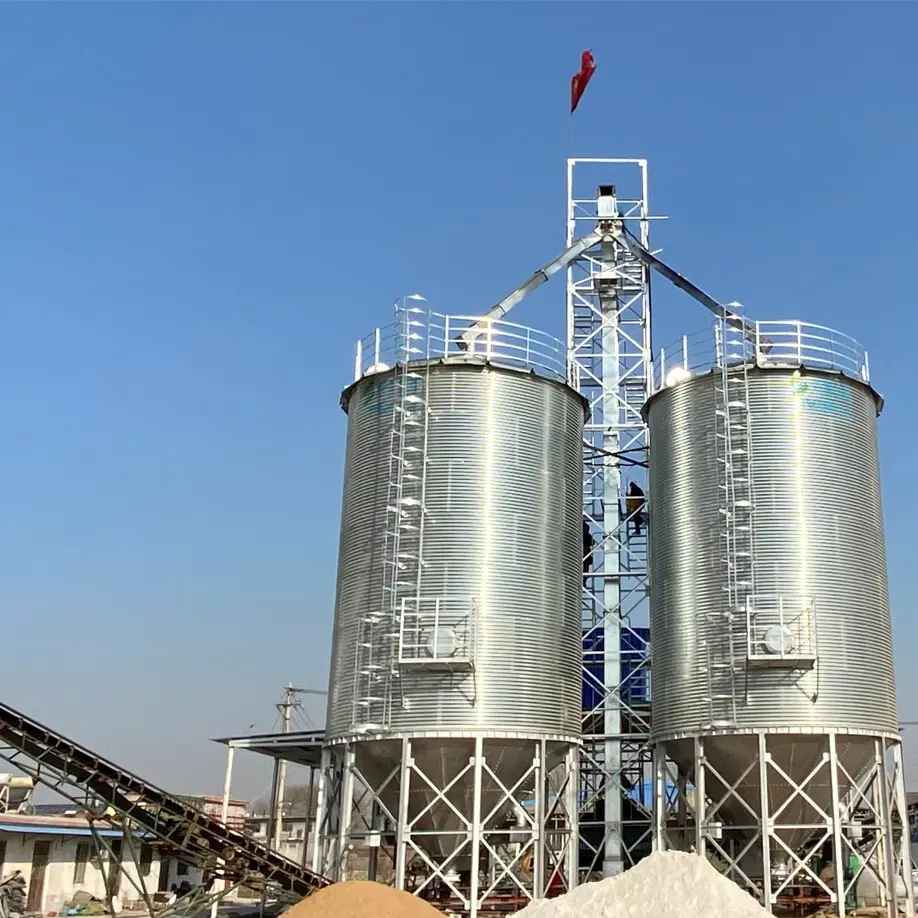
(286, 708)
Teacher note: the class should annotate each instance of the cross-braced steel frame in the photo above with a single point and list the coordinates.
(511, 844)
(767, 829)
(608, 327)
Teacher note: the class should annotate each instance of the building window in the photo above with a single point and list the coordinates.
(146, 860)
(181, 869)
(79, 865)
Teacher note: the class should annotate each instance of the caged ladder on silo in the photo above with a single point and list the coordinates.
(737, 537)
(376, 670)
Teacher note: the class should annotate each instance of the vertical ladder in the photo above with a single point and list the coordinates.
(736, 544)
(634, 556)
(376, 666)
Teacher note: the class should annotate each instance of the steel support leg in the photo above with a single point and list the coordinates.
(478, 763)
(540, 826)
(905, 858)
(700, 802)
(765, 823)
(401, 841)
(320, 833)
(347, 813)
(224, 815)
(659, 798)
(838, 848)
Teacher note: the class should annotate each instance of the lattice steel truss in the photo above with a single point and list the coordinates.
(461, 839)
(608, 310)
(767, 829)
(109, 794)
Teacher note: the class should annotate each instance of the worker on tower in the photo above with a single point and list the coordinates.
(589, 543)
(634, 507)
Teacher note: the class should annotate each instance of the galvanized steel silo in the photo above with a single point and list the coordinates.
(501, 544)
(457, 622)
(771, 633)
(818, 540)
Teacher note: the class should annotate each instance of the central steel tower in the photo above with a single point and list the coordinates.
(609, 346)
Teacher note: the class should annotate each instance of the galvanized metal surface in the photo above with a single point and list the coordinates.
(502, 529)
(818, 535)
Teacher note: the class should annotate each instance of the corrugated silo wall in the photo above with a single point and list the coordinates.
(818, 532)
(503, 523)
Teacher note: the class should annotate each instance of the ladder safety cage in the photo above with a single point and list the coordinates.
(377, 651)
(733, 438)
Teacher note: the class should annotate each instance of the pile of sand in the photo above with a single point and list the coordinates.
(361, 899)
(667, 884)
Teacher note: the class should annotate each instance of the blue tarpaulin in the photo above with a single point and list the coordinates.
(635, 672)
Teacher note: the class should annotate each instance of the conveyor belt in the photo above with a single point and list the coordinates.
(200, 839)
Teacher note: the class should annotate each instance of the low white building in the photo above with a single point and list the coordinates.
(59, 857)
(296, 835)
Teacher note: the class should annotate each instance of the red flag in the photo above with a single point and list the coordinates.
(579, 80)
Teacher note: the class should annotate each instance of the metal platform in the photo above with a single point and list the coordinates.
(302, 747)
(107, 791)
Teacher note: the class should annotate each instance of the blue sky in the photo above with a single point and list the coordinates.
(203, 206)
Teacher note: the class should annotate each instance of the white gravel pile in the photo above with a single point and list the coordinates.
(669, 884)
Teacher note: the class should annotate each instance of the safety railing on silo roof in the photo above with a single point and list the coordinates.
(784, 343)
(418, 334)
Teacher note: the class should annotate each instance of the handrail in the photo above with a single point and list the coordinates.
(776, 343)
(418, 334)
